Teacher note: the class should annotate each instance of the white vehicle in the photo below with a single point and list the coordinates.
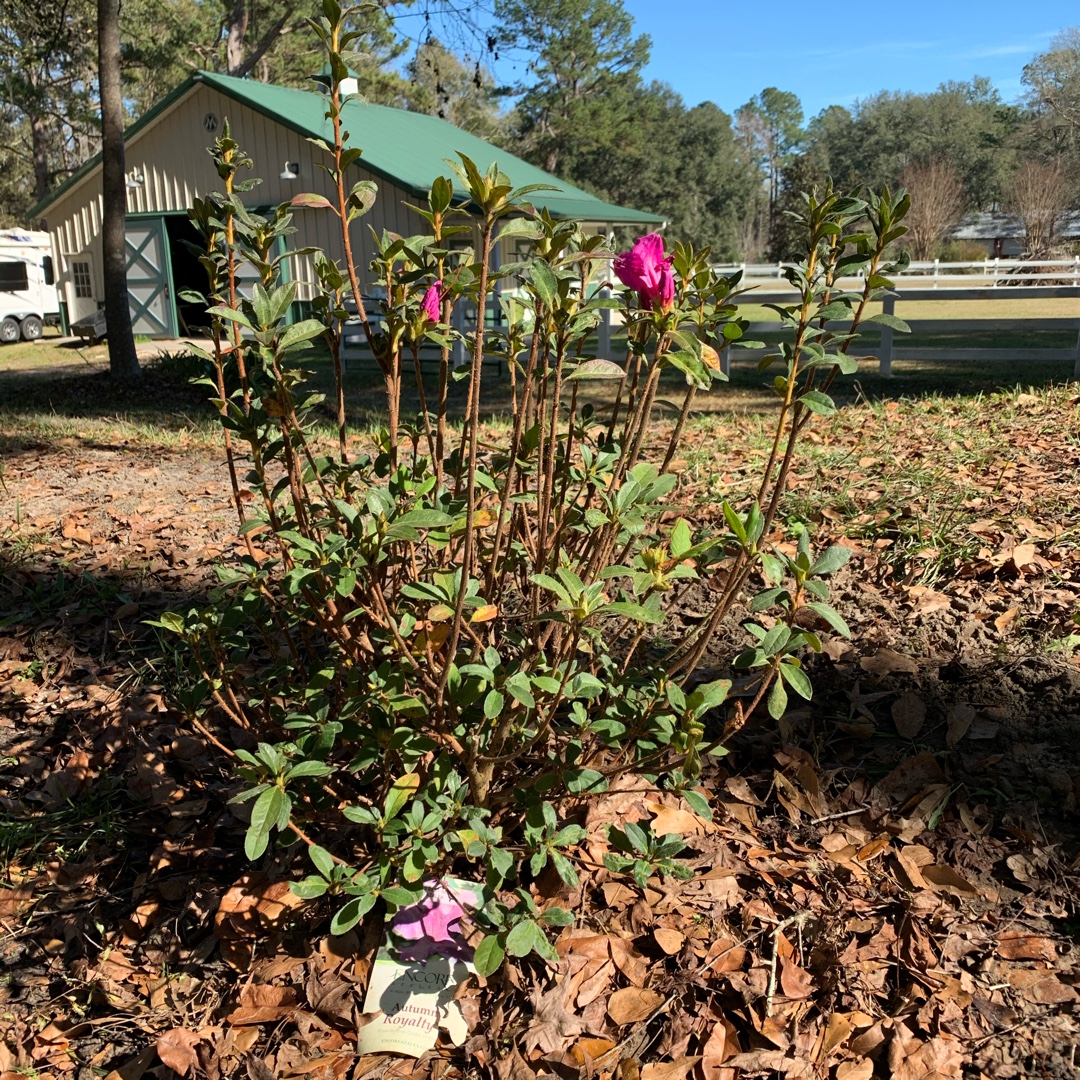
(28, 296)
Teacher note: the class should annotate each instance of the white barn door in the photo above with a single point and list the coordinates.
(149, 277)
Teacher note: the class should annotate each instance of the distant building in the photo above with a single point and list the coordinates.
(168, 166)
(1002, 236)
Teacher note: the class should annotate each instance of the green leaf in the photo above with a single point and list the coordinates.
(580, 781)
(230, 315)
(830, 560)
(681, 540)
(526, 937)
(349, 915)
(892, 321)
(796, 678)
(301, 331)
(309, 768)
(635, 612)
(765, 600)
(424, 519)
(818, 402)
(545, 282)
(777, 699)
(558, 916)
(698, 803)
(565, 869)
(836, 310)
(489, 955)
(322, 859)
(170, 620)
(522, 936)
(597, 369)
(494, 704)
(831, 616)
(403, 789)
(775, 639)
(310, 888)
(545, 581)
(735, 523)
(264, 815)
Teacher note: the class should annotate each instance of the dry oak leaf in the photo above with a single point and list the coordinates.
(722, 1043)
(1020, 945)
(669, 819)
(836, 1032)
(888, 662)
(909, 714)
(1041, 987)
(176, 1048)
(555, 1025)
(855, 1070)
(586, 1051)
(945, 879)
(795, 982)
(669, 1070)
(959, 718)
(260, 1004)
(671, 941)
(633, 1003)
(935, 1059)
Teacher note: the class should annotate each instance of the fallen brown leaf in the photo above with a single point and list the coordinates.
(909, 714)
(176, 1048)
(959, 719)
(945, 879)
(889, 662)
(1019, 945)
(671, 941)
(669, 1070)
(633, 1003)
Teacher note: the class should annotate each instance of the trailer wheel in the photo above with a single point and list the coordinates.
(9, 331)
(31, 328)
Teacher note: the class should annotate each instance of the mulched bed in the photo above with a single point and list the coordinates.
(888, 888)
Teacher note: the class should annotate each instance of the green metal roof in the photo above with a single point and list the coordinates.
(407, 148)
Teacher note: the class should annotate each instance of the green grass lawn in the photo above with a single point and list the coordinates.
(53, 390)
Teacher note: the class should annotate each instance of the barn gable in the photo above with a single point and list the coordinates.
(168, 167)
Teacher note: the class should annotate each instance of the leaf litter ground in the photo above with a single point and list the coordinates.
(888, 887)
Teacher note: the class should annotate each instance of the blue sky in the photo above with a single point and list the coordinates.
(712, 51)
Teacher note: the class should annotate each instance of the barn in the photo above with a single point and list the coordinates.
(168, 167)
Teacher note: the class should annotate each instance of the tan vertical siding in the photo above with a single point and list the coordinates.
(171, 154)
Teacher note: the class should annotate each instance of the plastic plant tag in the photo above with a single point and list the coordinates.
(422, 961)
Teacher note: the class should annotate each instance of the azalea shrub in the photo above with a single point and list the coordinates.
(446, 645)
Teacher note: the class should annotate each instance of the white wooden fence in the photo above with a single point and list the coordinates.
(995, 272)
(464, 318)
(887, 351)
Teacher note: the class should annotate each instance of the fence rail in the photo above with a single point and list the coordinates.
(465, 320)
(1000, 273)
(887, 351)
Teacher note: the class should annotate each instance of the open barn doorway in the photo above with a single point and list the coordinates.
(188, 275)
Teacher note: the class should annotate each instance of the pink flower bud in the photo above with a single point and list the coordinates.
(432, 303)
(644, 269)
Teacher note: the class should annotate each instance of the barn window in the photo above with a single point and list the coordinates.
(80, 277)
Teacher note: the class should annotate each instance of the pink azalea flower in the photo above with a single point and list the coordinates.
(666, 294)
(645, 269)
(431, 926)
(432, 303)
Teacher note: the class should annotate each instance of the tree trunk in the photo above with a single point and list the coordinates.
(123, 363)
(234, 40)
(39, 138)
